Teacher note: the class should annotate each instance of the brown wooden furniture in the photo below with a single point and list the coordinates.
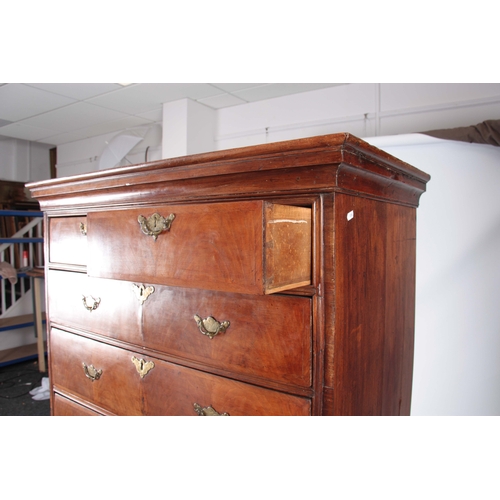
(273, 280)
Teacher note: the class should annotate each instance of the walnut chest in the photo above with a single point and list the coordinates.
(269, 280)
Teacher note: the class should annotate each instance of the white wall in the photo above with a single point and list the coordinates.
(365, 110)
(24, 161)
(457, 328)
(336, 109)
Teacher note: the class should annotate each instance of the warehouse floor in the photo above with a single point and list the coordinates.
(16, 381)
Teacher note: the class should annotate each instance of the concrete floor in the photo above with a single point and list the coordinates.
(16, 380)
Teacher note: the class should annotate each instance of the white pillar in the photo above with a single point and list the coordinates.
(188, 128)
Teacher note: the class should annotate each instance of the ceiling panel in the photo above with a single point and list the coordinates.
(18, 101)
(231, 87)
(76, 116)
(146, 96)
(155, 115)
(273, 90)
(25, 132)
(78, 91)
(57, 113)
(222, 101)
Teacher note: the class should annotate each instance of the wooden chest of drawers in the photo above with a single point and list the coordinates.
(270, 280)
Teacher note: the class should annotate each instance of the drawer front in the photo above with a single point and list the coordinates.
(64, 407)
(107, 307)
(125, 383)
(68, 240)
(261, 336)
(207, 246)
(94, 372)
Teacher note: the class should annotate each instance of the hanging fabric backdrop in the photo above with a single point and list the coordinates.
(487, 132)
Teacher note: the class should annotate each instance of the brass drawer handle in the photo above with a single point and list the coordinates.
(142, 292)
(143, 367)
(155, 224)
(93, 306)
(208, 411)
(83, 228)
(91, 372)
(210, 326)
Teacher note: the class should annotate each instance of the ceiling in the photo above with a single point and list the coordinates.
(58, 113)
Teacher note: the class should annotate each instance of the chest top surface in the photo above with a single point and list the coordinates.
(330, 163)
